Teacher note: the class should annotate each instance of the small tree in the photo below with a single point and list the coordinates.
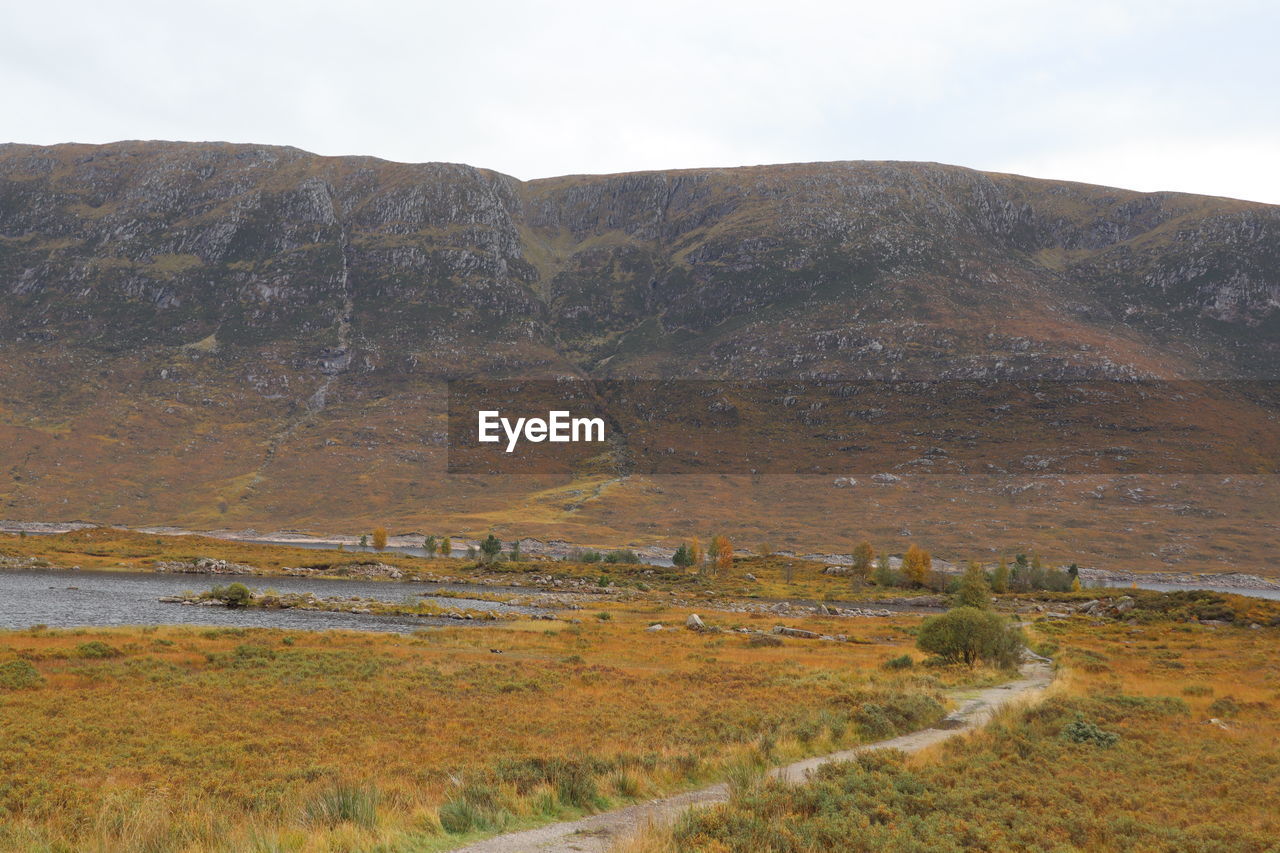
(916, 565)
(364, 540)
(379, 538)
(967, 635)
(683, 557)
(1075, 584)
(883, 575)
(446, 547)
(695, 552)
(514, 553)
(766, 549)
(723, 554)
(974, 590)
(1020, 574)
(1000, 578)
(490, 548)
(863, 558)
(430, 545)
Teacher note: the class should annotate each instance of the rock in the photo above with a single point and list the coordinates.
(837, 571)
(203, 566)
(796, 632)
(657, 627)
(750, 577)
(695, 623)
(885, 479)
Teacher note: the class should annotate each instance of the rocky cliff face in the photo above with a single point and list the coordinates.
(151, 243)
(277, 320)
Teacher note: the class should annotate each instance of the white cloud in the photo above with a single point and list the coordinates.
(541, 88)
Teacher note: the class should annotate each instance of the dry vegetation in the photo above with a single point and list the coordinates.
(118, 549)
(186, 739)
(1161, 732)
(1161, 737)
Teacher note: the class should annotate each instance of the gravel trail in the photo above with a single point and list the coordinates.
(597, 833)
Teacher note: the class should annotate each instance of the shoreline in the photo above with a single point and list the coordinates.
(650, 554)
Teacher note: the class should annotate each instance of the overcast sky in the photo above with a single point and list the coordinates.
(1155, 96)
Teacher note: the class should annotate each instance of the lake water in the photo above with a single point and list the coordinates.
(67, 599)
(61, 598)
(1273, 594)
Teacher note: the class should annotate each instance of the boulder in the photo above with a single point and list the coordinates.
(695, 623)
(796, 632)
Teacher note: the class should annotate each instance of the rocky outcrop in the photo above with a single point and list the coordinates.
(203, 566)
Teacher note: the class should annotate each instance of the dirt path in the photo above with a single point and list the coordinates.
(597, 833)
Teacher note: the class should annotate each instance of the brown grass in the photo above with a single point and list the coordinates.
(189, 739)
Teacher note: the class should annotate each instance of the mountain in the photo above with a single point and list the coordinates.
(229, 335)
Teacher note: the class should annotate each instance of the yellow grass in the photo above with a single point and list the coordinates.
(1194, 764)
(192, 739)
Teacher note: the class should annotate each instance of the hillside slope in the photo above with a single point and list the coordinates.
(224, 335)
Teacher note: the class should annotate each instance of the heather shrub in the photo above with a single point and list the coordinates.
(19, 675)
(96, 649)
(900, 662)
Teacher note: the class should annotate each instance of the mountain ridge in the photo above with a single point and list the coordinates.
(216, 333)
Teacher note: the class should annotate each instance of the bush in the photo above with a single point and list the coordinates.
(900, 662)
(232, 595)
(1081, 730)
(968, 635)
(623, 556)
(576, 786)
(96, 649)
(874, 722)
(19, 675)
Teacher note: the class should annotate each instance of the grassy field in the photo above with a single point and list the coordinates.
(1159, 735)
(167, 739)
(1162, 737)
(118, 549)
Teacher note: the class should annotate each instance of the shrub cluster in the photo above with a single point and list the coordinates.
(968, 635)
(19, 675)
